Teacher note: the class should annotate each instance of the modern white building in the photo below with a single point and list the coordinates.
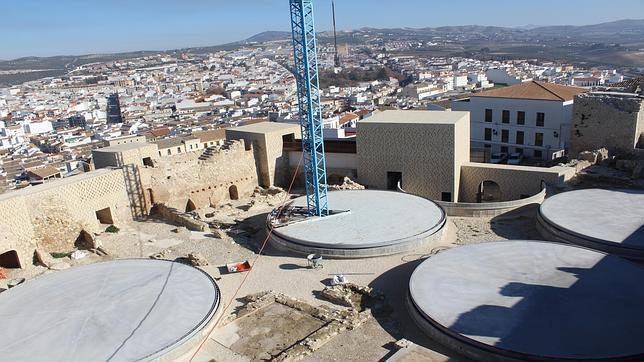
(35, 128)
(532, 118)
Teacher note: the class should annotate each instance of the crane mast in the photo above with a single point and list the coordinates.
(310, 112)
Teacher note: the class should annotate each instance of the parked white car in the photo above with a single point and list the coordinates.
(498, 157)
(515, 158)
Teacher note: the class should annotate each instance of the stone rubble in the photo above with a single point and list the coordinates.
(197, 259)
(347, 184)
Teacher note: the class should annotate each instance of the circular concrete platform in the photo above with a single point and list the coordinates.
(531, 300)
(125, 310)
(611, 221)
(374, 223)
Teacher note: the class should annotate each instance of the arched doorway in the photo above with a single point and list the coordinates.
(85, 241)
(489, 191)
(10, 259)
(190, 206)
(232, 191)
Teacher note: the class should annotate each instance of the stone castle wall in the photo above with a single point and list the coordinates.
(51, 216)
(514, 182)
(202, 180)
(615, 122)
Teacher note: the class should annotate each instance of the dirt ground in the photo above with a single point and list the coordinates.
(242, 233)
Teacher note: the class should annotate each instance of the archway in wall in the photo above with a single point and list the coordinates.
(85, 241)
(10, 259)
(489, 191)
(233, 193)
(190, 206)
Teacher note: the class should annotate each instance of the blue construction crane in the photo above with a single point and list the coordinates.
(308, 97)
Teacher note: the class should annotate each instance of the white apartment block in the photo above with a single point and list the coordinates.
(532, 118)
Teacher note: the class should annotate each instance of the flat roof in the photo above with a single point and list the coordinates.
(416, 117)
(123, 310)
(372, 219)
(123, 147)
(537, 299)
(265, 127)
(613, 217)
(501, 166)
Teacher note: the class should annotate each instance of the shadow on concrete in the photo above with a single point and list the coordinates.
(598, 315)
(518, 224)
(292, 267)
(394, 284)
(134, 189)
(636, 239)
(251, 233)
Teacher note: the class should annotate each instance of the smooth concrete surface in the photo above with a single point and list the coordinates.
(602, 219)
(532, 300)
(124, 310)
(373, 219)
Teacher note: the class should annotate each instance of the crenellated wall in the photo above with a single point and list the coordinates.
(204, 179)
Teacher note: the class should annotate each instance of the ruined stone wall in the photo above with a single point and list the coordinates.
(606, 120)
(202, 179)
(51, 216)
(515, 182)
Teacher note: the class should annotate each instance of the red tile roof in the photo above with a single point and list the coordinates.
(535, 90)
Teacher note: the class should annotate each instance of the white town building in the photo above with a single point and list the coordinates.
(531, 118)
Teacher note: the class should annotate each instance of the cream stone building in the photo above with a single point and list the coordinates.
(138, 153)
(424, 150)
(267, 139)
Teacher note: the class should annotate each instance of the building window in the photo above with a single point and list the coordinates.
(178, 149)
(487, 145)
(520, 117)
(446, 196)
(504, 149)
(538, 139)
(538, 154)
(541, 117)
(505, 136)
(169, 151)
(505, 116)
(190, 146)
(518, 150)
(488, 115)
(519, 140)
(488, 134)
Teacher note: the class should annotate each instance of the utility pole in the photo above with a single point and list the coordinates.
(336, 57)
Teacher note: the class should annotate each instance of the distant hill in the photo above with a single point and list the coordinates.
(626, 37)
(268, 36)
(613, 30)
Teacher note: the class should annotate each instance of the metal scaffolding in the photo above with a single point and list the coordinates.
(308, 96)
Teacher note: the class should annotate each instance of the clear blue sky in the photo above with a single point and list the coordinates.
(62, 27)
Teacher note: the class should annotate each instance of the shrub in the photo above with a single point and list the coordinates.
(112, 229)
